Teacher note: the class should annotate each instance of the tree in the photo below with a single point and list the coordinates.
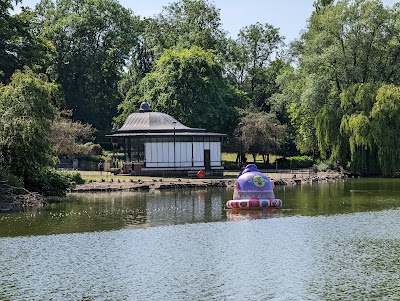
(190, 23)
(253, 64)
(92, 40)
(26, 110)
(348, 51)
(19, 46)
(385, 127)
(320, 4)
(68, 137)
(261, 133)
(189, 85)
(184, 23)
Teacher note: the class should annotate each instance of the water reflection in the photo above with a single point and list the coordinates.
(113, 211)
(331, 241)
(119, 210)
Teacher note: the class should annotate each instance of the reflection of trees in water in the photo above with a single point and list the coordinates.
(160, 207)
(185, 206)
(89, 212)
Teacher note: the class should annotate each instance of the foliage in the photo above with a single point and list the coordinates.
(251, 65)
(67, 136)
(50, 182)
(189, 85)
(92, 41)
(260, 133)
(385, 128)
(348, 53)
(9, 178)
(26, 111)
(336, 96)
(76, 177)
(295, 162)
(330, 140)
(189, 23)
(182, 24)
(19, 46)
(119, 156)
(91, 148)
(301, 161)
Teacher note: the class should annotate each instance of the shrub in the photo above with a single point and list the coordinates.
(54, 183)
(76, 177)
(295, 162)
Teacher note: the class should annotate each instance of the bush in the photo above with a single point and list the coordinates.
(89, 158)
(228, 165)
(322, 166)
(328, 165)
(295, 162)
(93, 149)
(76, 177)
(54, 183)
(111, 155)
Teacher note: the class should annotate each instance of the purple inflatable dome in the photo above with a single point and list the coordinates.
(251, 183)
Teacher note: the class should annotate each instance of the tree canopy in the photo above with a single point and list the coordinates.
(189, 85)
(348, 53)
(92, 41)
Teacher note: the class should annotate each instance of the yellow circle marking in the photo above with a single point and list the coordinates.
(259, 181)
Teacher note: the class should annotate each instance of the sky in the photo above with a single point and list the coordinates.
(290, 16)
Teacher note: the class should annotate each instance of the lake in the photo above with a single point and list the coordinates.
(330, 241)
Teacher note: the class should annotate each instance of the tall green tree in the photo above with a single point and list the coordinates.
(253, 62)
(349, 50)
(190, 23)
(189, 85)
(184, 23)
(385, 127)
(26, 111)
(19, 46)
(92, 40)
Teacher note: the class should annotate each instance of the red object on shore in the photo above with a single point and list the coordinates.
(201, 174)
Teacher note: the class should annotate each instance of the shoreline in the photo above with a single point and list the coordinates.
(292, 177)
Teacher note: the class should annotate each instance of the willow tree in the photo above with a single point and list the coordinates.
(352, 48)
(385, 128)
(26, 111)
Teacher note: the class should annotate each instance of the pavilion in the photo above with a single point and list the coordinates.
(156, 143)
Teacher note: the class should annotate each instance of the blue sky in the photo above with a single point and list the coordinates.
(290, 16)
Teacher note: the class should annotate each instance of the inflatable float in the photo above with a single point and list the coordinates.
(253, 190)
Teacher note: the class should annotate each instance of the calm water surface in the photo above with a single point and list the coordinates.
(330, 241)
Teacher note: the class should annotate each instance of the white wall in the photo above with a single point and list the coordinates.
(215, 150)
(161, 154)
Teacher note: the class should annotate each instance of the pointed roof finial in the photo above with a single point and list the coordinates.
(144, 107)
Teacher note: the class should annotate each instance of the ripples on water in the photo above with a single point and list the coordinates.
(200, 252)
